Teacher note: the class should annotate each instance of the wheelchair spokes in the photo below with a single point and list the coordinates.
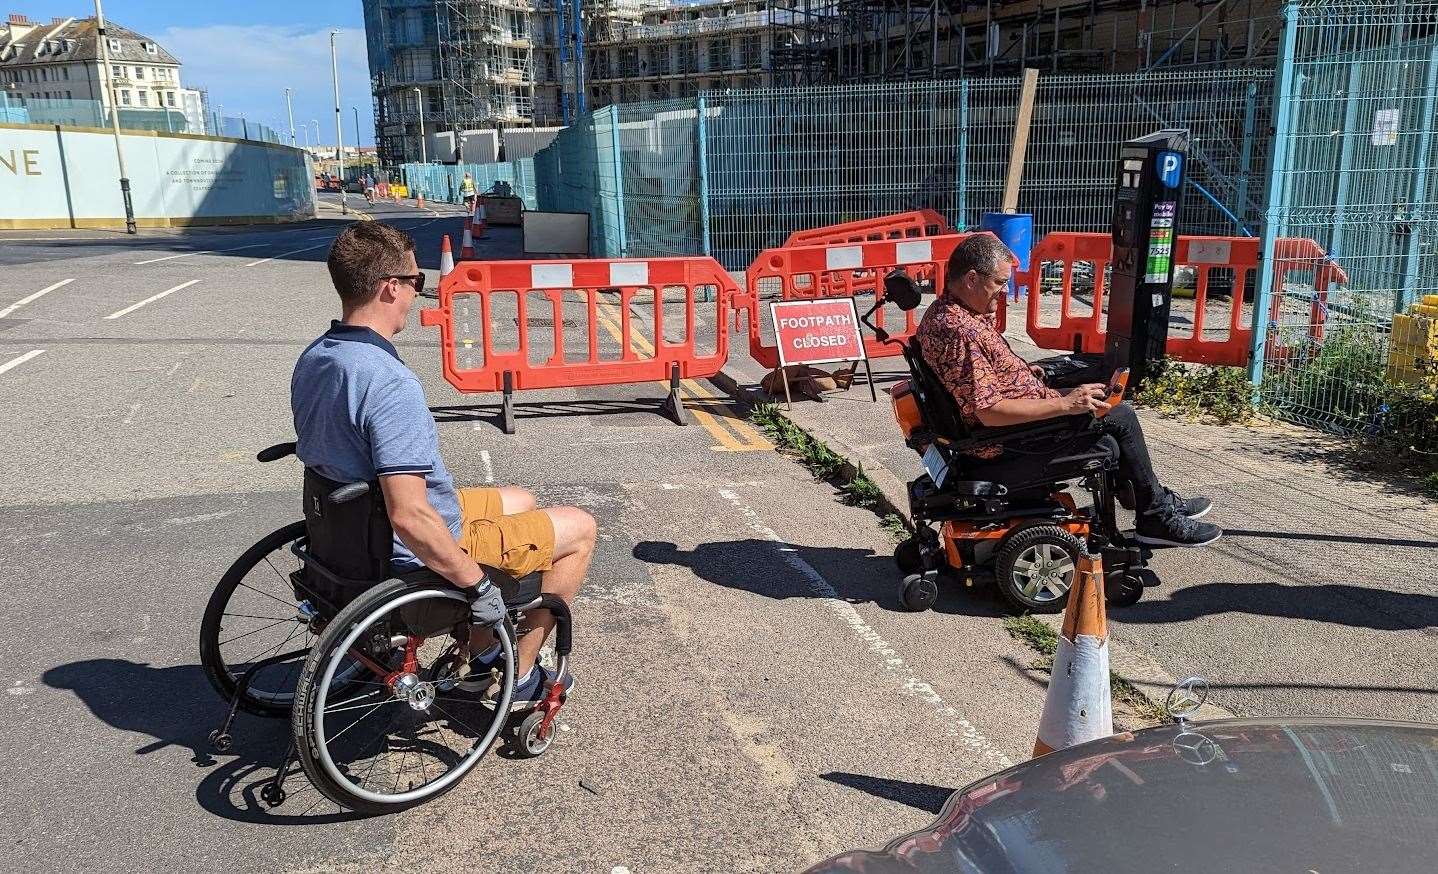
(403, 729)
(253, 620)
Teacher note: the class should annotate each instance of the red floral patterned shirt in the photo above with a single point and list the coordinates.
(974, 361)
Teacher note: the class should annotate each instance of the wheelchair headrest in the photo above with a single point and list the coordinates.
(901, 290)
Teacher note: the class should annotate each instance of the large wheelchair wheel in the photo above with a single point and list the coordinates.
(405, 730)
(253, 614)
(1035, 568)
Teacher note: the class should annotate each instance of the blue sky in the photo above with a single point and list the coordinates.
(246, 53)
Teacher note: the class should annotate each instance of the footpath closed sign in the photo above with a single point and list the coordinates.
(817, 331)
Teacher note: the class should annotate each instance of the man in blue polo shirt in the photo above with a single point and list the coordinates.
(360, 416)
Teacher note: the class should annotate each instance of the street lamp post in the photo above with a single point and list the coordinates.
(289, 108)
(419, 107)
(357, 127)
(115, 120)
(316, 123)
(339, 132)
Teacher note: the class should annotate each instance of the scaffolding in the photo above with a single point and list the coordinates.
(486, 55)
(904, 40)
(801, 34)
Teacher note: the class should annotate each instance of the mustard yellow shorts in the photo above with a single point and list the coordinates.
(520, 544)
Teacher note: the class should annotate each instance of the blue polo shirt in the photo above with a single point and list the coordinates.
(360, 414)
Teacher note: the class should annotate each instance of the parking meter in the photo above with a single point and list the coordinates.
(1145, 224)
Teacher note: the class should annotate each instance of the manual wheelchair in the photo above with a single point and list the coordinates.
(1023, 536)
(370, 667)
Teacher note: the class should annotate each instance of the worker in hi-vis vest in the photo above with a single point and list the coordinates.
(466, 192)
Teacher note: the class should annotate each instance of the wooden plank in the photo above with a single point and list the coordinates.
(1021, 140)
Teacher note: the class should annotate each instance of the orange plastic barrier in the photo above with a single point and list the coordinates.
(915, 223)
(502, 323)
(1087, 331)
(806, 272)
(1302, 254)
(901, 225)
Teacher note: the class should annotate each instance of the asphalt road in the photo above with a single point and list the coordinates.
(750, 697)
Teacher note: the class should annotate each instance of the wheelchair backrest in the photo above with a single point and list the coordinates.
(352, 539)
(936, 405)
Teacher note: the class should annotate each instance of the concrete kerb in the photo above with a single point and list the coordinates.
(1141, 672)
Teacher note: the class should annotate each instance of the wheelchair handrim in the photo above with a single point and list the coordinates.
(481, 746)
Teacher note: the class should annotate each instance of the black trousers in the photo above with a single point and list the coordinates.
(1119, 431)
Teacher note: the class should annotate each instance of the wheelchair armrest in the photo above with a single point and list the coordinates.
(1086, 459)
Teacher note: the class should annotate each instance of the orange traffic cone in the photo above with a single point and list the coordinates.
(1079, 704)
(419, 200)
(446, 257)
(481, 224)
(466, 249)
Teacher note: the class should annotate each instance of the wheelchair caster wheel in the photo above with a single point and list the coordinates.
(220, 741)
(530, 743)
(920, 592)
(909, 556)
(273, 795)
(1124, 590)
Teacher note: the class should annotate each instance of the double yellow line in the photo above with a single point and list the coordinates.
(733, 433)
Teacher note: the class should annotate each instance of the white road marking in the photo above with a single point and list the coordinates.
(286, 254)
(968, 735)
(20, 359)
(201, 252)
(488, 466)
(34, 297)
(151, 299)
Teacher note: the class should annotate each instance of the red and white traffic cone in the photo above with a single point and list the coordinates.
(446, 257)
(481, 223)
(466, 249)
(1079, 705)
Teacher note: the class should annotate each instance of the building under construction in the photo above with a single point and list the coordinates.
(459, 65)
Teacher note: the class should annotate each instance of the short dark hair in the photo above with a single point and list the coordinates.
(362, 256)
(982, 252)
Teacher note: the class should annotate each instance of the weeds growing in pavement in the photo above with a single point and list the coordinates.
(824, 463)
(1221, 394)
(895, 527)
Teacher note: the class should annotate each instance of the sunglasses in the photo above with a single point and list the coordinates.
(414, 279)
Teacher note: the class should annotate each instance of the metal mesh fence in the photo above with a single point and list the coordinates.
(74, 112)
(740, 174)
(441, 182)
(1355, 172)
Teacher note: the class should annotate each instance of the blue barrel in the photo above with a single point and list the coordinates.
(1016, 229)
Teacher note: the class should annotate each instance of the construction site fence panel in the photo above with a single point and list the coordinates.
(560, 324)
(441, 182)
(731, 174)
(1355, 169)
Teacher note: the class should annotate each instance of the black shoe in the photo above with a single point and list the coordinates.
(1194, 508)
(1169, 528)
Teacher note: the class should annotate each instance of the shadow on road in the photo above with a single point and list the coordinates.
(774, 570)
(161, 702)
(920, 796)
(1339, 604)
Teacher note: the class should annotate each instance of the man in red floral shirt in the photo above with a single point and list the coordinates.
(994, 387)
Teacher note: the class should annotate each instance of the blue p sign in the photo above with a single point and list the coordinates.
(1170, 168)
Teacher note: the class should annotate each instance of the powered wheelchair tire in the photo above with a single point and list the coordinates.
(1035, 567)
(404, 730)
(253, 614)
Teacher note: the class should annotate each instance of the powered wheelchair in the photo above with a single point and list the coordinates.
(372, 669)
(1025, 537)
